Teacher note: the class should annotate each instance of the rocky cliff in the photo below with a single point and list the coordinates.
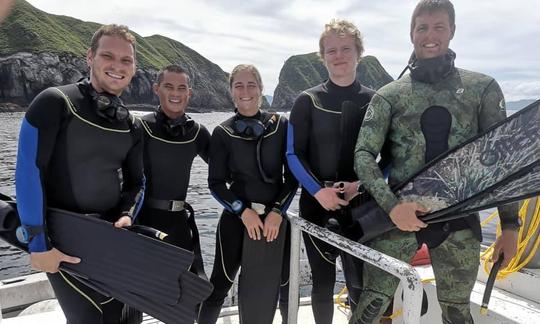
(301, 72)
(39, 50)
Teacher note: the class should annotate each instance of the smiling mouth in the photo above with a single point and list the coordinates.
(174, 101)
(114, 76)
(430, 45)
(246, 99)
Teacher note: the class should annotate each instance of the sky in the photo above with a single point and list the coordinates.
(500, 38)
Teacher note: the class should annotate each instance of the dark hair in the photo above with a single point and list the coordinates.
(173, 68)
(431, 6)
(111, 30)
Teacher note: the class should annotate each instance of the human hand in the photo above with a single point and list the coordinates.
(49, 261)
(506, 243)
(123, 222)
(329, 200)
(271, 226)
(404, 216)
(253, 223)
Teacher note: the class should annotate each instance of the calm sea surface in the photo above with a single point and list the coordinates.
(15, 263)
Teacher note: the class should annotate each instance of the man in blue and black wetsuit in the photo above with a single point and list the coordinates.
(80, 150)
(171, 141)
(320, 154)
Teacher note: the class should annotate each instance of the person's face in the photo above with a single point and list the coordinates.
(174, 93)
(112, 65)
(431, 34)
(340, 56)
(246, 93)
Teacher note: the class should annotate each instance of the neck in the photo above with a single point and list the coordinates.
(248, 112)
(172, 115)
(343, 81)
(99, 89)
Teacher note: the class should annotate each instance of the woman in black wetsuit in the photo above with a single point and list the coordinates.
(249, 176)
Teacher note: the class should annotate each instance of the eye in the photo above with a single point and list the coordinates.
(331, 51)
(127, 61)
(346, 49)
(168, 87)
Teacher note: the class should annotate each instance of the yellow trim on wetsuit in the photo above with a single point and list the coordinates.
(73, 110)
(149, 131)
(80, 292)
(251, 138)
(317, 105)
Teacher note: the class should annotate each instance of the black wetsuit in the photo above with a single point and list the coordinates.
(314, 153)
(168, 156)
(233, 160)
(71, 158)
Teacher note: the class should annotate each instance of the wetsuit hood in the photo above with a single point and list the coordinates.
(431, 70)
(177, 126)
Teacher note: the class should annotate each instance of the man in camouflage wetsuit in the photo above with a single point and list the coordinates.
(434, 108)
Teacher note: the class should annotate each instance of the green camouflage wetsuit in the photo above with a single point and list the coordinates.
(474, 102)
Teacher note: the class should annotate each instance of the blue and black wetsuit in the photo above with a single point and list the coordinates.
(71, 158)
(316, 155)
(235, 180)
(169, 152)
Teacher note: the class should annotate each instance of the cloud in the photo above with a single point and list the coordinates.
(496, 37)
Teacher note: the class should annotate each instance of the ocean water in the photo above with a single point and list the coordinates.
(14, 263)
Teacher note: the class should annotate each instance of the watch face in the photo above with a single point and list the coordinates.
(237, 205)
(22, 234)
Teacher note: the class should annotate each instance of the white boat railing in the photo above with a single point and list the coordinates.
(409, 277)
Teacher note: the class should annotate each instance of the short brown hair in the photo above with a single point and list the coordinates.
(342, 27)
(112, 30)
(173, 68)
(431, 6)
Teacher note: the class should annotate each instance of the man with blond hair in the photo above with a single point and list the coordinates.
(320, 155)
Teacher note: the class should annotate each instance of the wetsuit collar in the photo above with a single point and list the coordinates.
(353, 87)
(256, 116)
(434, 69)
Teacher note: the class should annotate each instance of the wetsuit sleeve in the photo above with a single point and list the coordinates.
(203, 143)
(219, 174)
(493, 110)
(37, 138)
(298, 130)
(133, 176)
(371, 140)
(290, 184)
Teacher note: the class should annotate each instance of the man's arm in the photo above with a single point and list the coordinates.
(133, 185)
(371, 140)
(37, 138)
(203, 143)
(298, 131)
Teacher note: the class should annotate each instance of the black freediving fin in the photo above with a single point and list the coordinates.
(140, 271)
(259, 281)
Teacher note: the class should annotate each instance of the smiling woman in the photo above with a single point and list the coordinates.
(248, 175)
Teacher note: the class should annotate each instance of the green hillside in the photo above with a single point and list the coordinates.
(28, 29)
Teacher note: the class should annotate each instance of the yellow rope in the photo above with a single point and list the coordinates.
(525, 240)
